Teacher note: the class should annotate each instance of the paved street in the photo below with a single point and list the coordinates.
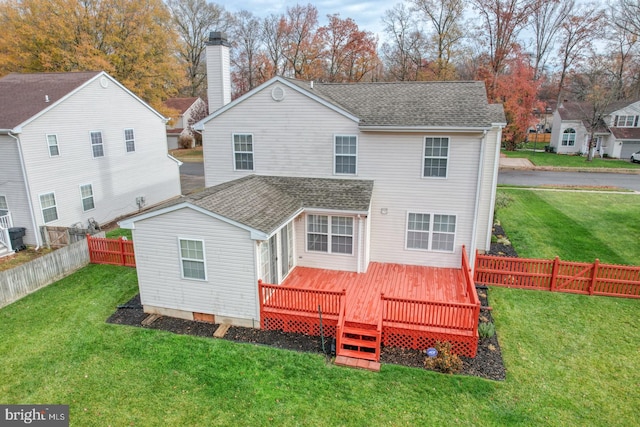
(192, 168)
(536, 178)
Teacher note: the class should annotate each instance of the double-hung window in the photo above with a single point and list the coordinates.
(86, 194)
(97, 146)
(569, 137)
(129, 140)
(331, 234)
(192, 259)
(436, 157)
(52, 142)
(243, 152)
(627, 121)
(431, 232)
(48, 206)
(3, 203)
(346, 154)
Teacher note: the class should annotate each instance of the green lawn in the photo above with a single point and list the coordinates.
(560, 160)
(576, 226)
(571, 360)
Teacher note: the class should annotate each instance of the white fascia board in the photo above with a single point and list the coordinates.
(129, 223)
(201, 124)
(499, 125)
(416, 129)
(284, 223)
(336, 211)
(82, 86)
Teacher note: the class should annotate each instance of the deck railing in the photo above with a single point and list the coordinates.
(304, 301)
(458, 316)
(559, 276)
(468, 278)
(111, 251)
(5, 224)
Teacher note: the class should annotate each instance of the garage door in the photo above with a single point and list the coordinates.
(629, 148)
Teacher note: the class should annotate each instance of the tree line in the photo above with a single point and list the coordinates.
(525, 50)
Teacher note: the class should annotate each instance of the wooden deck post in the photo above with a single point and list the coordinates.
(554, 273)
(594, 275)
(123, 258)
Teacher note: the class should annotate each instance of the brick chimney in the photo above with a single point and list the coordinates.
(218, 71)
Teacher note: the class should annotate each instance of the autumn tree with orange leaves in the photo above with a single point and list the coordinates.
(131, 40)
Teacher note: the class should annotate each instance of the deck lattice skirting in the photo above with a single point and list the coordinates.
(402, 322)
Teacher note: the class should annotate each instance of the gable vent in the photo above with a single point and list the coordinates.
(277, 93)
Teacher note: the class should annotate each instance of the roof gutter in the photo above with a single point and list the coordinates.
(14, 134)
(424, 129)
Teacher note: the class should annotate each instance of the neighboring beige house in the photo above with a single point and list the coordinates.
(618, 136)
(179, 126)
(324, 176)
(75, 146)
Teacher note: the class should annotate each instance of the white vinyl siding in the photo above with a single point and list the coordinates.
(129, 141)
(346, 154)
(243, 152)
(431, 232)
(48, 207)
(332, 234)
(86, 195)
(192, 259)
(52, 142)
(97, 146)
(436, 157)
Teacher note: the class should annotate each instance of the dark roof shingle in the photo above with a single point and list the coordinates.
(264, 203)
(22, 96)
(409, 104)
(180, 104)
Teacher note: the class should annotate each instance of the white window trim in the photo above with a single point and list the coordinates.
(253, 150)
(626, 119)
(93, 198)
(57, 145)
(431, 223)
(92, 144)
(44, 221)
(203, 260)
(126, 148)
(424, 156)
(335, 155)
(330, 235)
(573, 141)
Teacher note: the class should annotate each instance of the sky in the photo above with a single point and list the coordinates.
(367, 14)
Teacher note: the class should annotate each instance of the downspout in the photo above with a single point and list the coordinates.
(472, 249)
(494, 185)
(360, 244)
(28, 188)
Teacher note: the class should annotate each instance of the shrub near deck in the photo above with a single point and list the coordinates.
(571, 360)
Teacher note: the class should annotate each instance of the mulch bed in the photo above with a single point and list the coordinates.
(487, 364)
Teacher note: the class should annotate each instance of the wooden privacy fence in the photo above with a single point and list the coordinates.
(559, 276)
(111, 251)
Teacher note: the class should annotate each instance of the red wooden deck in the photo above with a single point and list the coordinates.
(393, 280)
(392, 304)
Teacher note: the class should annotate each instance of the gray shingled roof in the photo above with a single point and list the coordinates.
(264, 203)
(22, 96)
(409, 104)
(497, 113)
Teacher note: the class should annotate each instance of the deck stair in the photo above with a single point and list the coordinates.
(359, 341)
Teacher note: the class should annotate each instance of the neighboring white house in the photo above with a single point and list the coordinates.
(179, 127)
(75, 146)
(330, 176)
(617, 136)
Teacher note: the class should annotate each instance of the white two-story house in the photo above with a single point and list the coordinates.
(76, 146)
(617, 136)
(320, 177)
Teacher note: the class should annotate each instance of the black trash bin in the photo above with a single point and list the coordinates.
(15, 235)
